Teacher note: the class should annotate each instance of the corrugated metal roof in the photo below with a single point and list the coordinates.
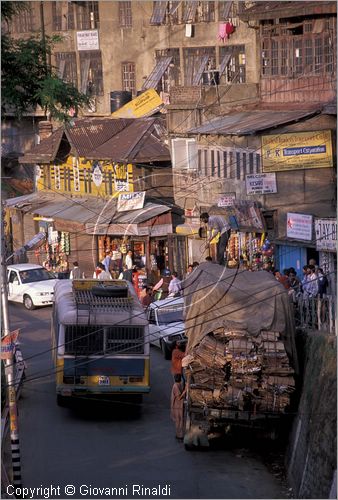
(149, 211)
(46, 151)
(114, 139)
(80, 210)
(249, 122)
(272, 10)
(139, 142)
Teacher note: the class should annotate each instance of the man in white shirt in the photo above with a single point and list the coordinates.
(220, 225)
(129, 260)
(175, 286)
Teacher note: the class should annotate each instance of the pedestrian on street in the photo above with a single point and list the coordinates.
(129, 260)
(75, 273)
(98, 270)
(177, 406)
(217, 224)
(106, 261)
(175, 286)
(313, 281)
(126, 274)
(176, 358)
(148, 298)
(104, 275)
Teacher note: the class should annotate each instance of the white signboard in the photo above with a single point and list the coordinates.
(130, 201)
(226, 200)
(261, 183)
(88, 40)
(299, 226)
(326, 235)
(97, 175)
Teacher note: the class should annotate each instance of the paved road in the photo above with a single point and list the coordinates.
(96, 448)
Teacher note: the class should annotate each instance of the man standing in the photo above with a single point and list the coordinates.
(220, 225)
(75, 273)
(129, 260)
(175, 286)
(106, 261)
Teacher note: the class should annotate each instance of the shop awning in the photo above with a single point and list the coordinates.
(128, 223)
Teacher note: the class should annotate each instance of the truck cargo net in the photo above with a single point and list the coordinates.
(235, 371)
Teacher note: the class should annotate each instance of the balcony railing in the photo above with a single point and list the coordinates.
(314, 313)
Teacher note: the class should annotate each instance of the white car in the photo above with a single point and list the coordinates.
(166, 325)
(30, 284)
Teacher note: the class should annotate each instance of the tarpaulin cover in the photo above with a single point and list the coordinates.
(217, 297)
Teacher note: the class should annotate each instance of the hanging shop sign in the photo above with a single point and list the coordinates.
(297, 151)
(326, 235)
(8, 344)
(97, 175)
(261, 183)
(88, 40)
(299, 226)
(227, 200)
(121, 177)
(130, 201)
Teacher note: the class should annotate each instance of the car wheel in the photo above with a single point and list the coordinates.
(28, 303)
(165, 350)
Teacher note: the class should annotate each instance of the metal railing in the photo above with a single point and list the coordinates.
(314, 313)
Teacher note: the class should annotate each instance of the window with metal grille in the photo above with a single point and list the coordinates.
(298, 56)
(66, 64)
(172, 75)
(62, 16)
(91, 72)
(99, 340)
(87, 15)
(125, 15)
(128, 77)
(198, 12)
(274, 57)
(23, 21)
(227, 10)
(195, 62)
(233, 63)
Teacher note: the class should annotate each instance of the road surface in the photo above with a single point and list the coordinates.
(94, 449)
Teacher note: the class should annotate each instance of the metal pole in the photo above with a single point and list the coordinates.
(9, 363)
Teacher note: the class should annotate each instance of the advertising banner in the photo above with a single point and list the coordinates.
(261, 183)
(130, 201)
(326, 235)
(88, 40)
(145, 104)
(8, 344)
(299, 226)
(227, 200)
(297, 151)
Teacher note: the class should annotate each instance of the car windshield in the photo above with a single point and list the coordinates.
(169, 315)
(32, 275)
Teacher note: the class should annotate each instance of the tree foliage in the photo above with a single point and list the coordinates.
(28, 80)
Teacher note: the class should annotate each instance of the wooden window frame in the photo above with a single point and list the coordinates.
(125, 14)
(233, 63)
(69, 72)
(128, 70)
(94, 74)
(193, 58)
(83, 16)
(59, 18)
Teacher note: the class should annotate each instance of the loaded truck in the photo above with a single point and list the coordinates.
(241, 359)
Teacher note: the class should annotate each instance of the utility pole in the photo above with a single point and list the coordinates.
(9, 364)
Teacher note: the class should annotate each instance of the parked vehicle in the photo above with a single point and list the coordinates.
(166, 325)
(30, 284)
(100, 341)
(241, 355)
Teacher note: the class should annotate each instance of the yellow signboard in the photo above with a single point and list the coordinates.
(144, 105)
(297, 151)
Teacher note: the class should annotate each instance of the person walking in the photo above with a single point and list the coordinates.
(177, 406)
(219, 224)
(176, 358)
(175, 286)
(104, 275)
(75, 273)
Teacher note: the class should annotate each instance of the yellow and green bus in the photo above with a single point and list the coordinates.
(100, 340)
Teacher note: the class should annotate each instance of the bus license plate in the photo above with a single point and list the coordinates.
(104, 380)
